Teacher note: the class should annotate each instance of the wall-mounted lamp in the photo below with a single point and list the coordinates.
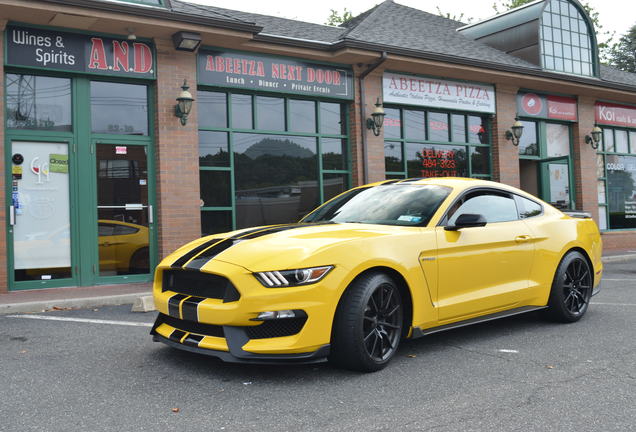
(377, 118)
(595, 139)
(184, 104)
(517, 132)
(186, 41)
(131, 34)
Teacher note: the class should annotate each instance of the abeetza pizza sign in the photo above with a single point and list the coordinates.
(438, 93)
(79, 52)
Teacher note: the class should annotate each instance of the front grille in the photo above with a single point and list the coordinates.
(276, 328)
(199, 284)
(191, 326)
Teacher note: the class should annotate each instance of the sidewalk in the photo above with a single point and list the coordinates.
(33, 301)
(72, 297)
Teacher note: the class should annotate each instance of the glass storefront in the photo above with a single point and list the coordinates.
(266, 160)
(616, 171)
(64, 231)
(424, 143)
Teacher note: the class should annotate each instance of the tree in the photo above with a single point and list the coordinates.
(454, 17)
(336, 19)
(622, 55)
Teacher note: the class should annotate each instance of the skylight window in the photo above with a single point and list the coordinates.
(568, 44)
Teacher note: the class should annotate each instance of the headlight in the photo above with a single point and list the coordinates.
(290, 278)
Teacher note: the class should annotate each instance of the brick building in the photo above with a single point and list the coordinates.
(102, 178)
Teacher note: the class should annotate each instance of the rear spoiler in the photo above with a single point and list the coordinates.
(578, 214)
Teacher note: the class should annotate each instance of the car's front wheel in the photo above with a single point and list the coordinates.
(571, 289)
(368, 324)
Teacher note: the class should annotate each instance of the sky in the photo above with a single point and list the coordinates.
(615, 15)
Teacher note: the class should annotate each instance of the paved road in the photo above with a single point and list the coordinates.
(517, 374)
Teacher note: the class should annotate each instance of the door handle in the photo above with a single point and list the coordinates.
(522, 238)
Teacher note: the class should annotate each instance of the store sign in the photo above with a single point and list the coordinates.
(615, 115)
(438, 93)
(76, 52)
(547, 107)
(256, 72)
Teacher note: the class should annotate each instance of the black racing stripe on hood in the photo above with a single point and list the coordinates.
(194, 252)
(204, 257)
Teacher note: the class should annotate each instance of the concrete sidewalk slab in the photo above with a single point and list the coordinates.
(72, 298)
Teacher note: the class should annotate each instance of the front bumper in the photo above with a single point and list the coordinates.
(218, 323)
(226, 344)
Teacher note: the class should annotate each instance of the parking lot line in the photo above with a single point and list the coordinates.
(619, 280)
(83, 320)
(613, 304)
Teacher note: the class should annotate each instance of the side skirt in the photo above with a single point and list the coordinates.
(418, 332)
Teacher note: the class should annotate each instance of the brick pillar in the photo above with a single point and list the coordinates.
(375, 144)
(177, 151)
(584, 159)
(505, 156)
(355, 133)
(3, 205)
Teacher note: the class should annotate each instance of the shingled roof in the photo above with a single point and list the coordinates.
(388, 25)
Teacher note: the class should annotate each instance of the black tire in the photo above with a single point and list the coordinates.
(368, 324)
(571, 289)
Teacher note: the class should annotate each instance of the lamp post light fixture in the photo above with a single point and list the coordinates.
(184, 104)
(377, 118)
(186, 41)
(517, 132)
(595, 139)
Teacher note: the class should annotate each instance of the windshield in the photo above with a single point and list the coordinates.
(394, 204)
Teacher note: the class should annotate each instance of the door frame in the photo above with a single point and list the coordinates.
(82, 194)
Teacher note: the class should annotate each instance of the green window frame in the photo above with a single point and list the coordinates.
(617, 143)
(458, 130)
(567, 43)
(226, 118)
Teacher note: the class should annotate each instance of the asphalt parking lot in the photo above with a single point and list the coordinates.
(516, 374)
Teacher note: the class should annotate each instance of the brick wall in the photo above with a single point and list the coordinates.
(505, 156)
(619, 242)
(177, 152)
(375, 144)
(3, 204)
(584, 159)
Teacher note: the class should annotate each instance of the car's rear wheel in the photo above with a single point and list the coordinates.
(368, 324)
(571, 289)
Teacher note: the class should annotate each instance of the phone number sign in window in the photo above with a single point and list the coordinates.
(436, 161)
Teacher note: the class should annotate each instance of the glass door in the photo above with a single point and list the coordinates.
(556, 183)
(39, 215)
(124, 215)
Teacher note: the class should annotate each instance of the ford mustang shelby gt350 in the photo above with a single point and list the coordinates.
(376, 264)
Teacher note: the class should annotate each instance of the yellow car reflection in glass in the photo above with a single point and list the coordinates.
(123, 247)
(379, 263)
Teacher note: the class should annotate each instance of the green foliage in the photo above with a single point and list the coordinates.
(506, 5)
(336, 18)
(622, 55)
(461, 17)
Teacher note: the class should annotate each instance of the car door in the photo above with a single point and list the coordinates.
(483, 269)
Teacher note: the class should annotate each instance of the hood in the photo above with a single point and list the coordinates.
(283, 246)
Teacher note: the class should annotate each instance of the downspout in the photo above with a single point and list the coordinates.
(363, 115)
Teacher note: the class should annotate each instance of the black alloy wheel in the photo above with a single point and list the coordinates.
(382, 323)
(571, 289)
(368, 324)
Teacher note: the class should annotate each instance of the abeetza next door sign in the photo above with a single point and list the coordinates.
(78, 52)
(275, 74)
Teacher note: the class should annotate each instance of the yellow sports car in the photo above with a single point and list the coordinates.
(378, 263)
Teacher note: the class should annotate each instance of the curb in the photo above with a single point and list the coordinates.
(74, 303)
(619, 258)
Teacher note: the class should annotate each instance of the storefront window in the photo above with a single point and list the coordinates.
(120, 109)
(528, 144)
(557, 140)
(427, 156)
(617, 180)
(38, 102)
(254, 176)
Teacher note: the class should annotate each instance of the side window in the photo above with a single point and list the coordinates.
(528, 208)
(105, 230)
(494, 207)
(124, 230)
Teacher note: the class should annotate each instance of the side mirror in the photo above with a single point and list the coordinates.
(467, 220)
